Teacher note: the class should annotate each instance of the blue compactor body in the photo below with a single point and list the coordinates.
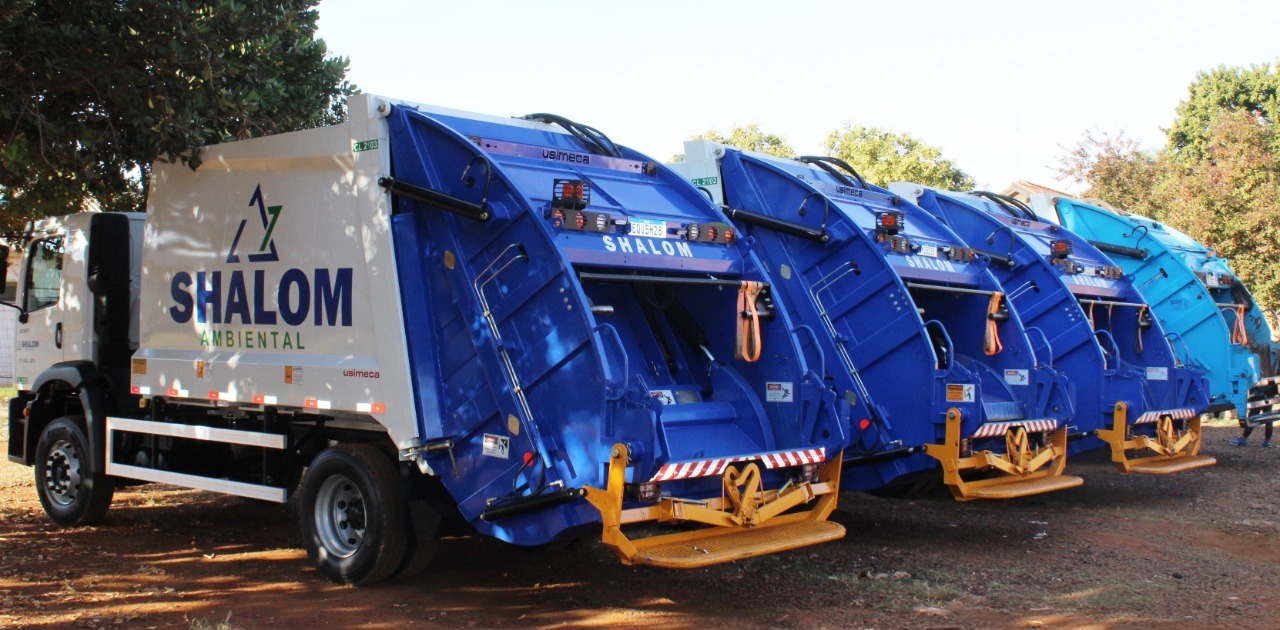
(1192, 318)
(1201, 302)
(593, 316)
(907, 317)
(1131, 389)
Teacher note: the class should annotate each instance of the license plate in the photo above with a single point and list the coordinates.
(649, 228)
(927, 249)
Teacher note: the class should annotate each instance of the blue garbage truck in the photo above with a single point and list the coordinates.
(1131, 388)
(422, 320)
(908, 317)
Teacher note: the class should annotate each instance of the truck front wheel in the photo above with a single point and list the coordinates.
(70, 493)
(353, 514)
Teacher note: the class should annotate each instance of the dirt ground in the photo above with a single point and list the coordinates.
(1201, 549)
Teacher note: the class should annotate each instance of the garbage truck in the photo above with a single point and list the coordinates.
(1188, 293)
(1202, 303)
(423, 319)
(908, 317)
(1133, 392)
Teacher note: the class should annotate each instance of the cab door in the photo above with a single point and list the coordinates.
(41, 332)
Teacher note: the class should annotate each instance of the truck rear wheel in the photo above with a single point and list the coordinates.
(352, 514)
(70, 493)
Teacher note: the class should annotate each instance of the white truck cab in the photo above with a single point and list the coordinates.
(57, 303)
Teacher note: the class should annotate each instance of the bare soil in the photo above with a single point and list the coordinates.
(1200, 549)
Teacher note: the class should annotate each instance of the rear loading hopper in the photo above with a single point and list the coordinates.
(907, 318)
(1197, 325)
(590, 345)
(1130, 387)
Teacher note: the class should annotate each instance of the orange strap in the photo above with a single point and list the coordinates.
(1239, 334)
(991, 341)
(749, 345)
(1092, 326)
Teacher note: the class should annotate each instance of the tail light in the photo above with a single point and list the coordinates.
(574, 194)
(649, 491)
(889, 223)
(1059, 249)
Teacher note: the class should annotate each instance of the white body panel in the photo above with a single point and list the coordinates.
(291, 237)
(701, 166)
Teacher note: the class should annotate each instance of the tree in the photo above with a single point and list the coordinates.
(882, 156)
(1255, 90)
(1230, 200)
(1116, 170)
(94, 91)
(750, 138)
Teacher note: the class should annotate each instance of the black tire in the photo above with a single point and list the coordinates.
(71, 496)
(352, 514)
(423, 525)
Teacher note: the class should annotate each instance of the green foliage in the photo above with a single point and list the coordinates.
(1254, 90)
(882, 157)
(751, 138)
(94, 91)
(1218, 180)
(1231, 199)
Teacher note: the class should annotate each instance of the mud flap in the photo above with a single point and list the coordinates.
(745, 522)
(1026, 470)
(1174, 451)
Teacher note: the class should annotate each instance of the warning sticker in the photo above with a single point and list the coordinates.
(496, 446)
(1017, 377)
(777, 391)
(663, 396)
(293, 374)
(959, 393)
(1157, 374)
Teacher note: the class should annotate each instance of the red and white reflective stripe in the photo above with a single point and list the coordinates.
(717, 466)
(993, 429)
(312, 403)
(794, 458)
(1176, 414)
(1264, 403)
(1267, 381)
(179, 393)
(262, 399)
(371, 407)
(137, 389)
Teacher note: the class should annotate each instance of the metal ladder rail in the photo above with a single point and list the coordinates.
(480, 282)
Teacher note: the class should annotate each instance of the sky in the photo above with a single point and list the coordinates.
(1000, 87)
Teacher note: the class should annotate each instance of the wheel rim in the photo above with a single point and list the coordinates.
(62, 473)
(340, 516)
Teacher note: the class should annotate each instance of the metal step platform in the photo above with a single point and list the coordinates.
(736, 544)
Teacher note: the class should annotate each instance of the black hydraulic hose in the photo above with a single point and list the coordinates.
(1013, 206)
(1132, 252)
(594, 139)
(779, 225)
(825, 163)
